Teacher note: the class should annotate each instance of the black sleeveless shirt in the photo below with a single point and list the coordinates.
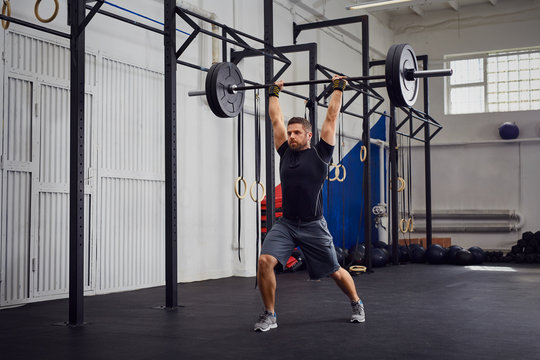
(302, 176)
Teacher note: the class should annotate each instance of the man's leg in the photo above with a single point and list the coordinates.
(346, 283)
(267, 281)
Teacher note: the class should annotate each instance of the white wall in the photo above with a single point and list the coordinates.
(475, 169)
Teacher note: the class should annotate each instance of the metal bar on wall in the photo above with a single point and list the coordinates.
(171, 222)
(76, 162)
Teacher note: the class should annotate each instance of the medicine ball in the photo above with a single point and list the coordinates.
(379, 244)
(340, 255)
(508, 130)
(479, 256)
(528, 235)
(464, 257)
(451, 254)
(379, 257)
(417, 254)
(356, 258)
(403, 254)
(436, 254)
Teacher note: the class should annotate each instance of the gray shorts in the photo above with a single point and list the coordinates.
(313, 238)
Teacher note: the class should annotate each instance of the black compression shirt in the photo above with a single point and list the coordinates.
(302, 176)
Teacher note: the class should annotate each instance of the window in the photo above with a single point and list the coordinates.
(494, 82)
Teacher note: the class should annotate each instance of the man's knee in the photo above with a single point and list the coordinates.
(338, 274)
(267, 263)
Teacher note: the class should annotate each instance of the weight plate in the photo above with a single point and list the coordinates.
(222, 102)
(400, 59)
(208, 89)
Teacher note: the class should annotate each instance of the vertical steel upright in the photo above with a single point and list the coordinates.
(393, 160)
(268, 131)
(427, 158)
(76, 164)
(312, 104)
(171, 245)
(366, 141)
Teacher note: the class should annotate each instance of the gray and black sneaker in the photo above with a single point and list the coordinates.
(358, 314)
(266, 322)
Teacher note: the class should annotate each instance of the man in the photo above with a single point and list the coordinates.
(302, 172)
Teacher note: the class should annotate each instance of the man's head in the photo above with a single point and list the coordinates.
(299, 133)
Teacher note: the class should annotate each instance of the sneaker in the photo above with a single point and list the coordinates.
(358, 314)
(266, 322)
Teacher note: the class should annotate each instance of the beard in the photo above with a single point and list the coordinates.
(297, 146)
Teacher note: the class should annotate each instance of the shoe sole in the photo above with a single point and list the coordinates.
(273, 326)
(358, 321)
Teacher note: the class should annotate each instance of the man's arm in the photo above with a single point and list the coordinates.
(276, 116)
(328, 130)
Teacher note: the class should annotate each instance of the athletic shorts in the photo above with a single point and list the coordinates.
(313, 238)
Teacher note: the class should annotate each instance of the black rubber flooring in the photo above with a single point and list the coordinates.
(412, 312)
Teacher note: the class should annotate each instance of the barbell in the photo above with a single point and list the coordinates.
(224, 84)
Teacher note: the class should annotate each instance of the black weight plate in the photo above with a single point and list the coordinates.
(225, 75)
(399, 60)
(390, 75)
(218, 109)
(209, 90)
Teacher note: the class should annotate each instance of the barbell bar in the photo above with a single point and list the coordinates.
(224, 85)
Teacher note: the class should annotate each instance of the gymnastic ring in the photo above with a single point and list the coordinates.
(403, 226)
(251, 191)
(6, 10)
(363, 153)
(355, 269)
(236, 191)
(401, 186)
(336, 172)
(410, 225)
(344, 173)
(53, 16)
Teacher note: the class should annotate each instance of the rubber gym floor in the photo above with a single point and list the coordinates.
(413, 311)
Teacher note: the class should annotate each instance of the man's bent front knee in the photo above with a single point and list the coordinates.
(267, 263)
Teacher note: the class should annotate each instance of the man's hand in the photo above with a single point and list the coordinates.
(339, 82)
(275, 88)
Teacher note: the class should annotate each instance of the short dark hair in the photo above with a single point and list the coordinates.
(300, 120)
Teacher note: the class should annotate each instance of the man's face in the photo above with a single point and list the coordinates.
(297, 137)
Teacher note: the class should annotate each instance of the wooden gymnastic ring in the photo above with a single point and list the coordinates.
(357, 268)
(403, 226)
(401, 186)
(336, 172)
(410, 226)
(251, 191)
(236, 191)
(6, 10)
(344, 173)
(363, 153)
(53, 16)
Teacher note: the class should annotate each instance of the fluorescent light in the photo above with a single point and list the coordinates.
(375, 4)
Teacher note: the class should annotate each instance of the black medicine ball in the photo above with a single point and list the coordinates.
(464, 257)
